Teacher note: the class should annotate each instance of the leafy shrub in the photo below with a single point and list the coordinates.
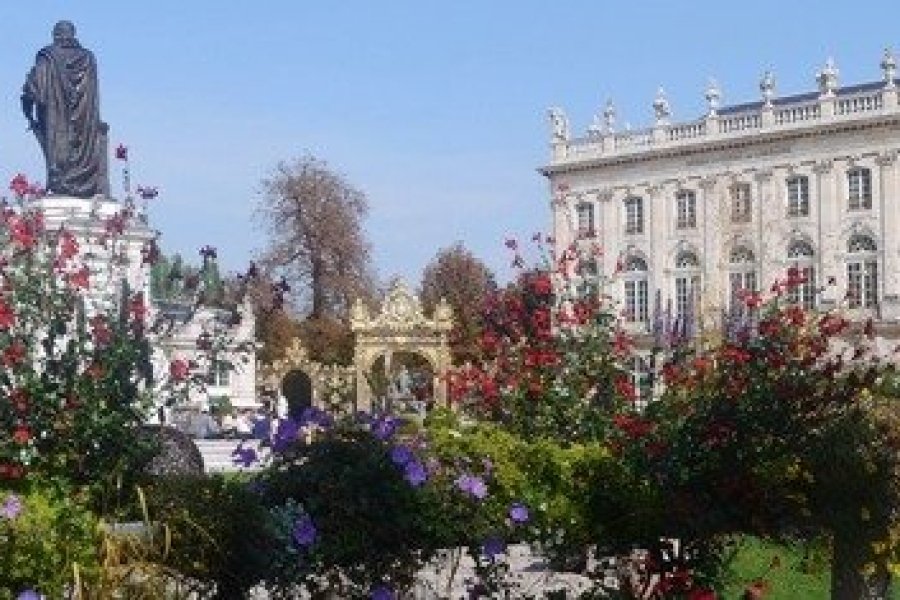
(45, 535)
(220, 534)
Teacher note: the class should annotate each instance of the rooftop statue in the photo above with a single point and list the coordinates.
(60, 99)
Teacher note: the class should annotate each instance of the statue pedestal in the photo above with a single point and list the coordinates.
(111, 256)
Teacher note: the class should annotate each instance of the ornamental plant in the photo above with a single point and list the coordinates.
(782, 430)
(553, 359)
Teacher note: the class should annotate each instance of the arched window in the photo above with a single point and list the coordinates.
(800, 256)
(685, 210)
(741, 275)
(859, 188)
(687, 283)
(862, 272)
(741, 203)
(634, 215)
(798, 196)
(584, 213)
(637, 290)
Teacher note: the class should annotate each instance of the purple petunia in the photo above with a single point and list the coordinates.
(243, 457)
(285, 435)
(472, 485)
(382, 592)
(304, 532)
(384, 426)
(518, 513)
(415, 473)
(11, 507)
(29, 595)
(401, 455)
(315, 416)
(492, 547)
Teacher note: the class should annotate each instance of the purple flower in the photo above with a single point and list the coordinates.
(304, 532)
(11, 507)
(382, 592)
(401, 455)
(315, 416)
(285, 435)
(243, 457)
(385, 426)
(415, 473)
(29, 595)
(492, 547)
(472, 485)
(518, 513)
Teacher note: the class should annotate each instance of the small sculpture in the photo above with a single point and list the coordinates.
(767, 87)
(661, 107)
(713, 96)
(828, 78)
(889, 68)
(559, 125)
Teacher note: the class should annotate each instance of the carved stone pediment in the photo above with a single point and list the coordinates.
(401, 311)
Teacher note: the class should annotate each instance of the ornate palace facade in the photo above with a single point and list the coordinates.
(695, 213)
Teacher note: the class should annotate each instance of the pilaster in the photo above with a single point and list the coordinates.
(711, 260)
(763, 204)
(829, 206)
(889, 218)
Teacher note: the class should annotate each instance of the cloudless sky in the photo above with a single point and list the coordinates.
(437, 110)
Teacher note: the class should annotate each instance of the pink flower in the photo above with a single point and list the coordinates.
(19, 185)
(179, 369)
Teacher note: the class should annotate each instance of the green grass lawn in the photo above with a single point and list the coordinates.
(792, 572)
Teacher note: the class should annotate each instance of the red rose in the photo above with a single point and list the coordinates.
(179, 369)
(21, 435)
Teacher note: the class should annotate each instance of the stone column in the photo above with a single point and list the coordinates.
(561, 207)
(657, 198)
(607, 223)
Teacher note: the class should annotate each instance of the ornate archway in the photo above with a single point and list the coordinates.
(401, 326)
(329, 382)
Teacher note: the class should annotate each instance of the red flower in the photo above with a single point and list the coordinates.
(80, 279)
(19, 185)
(14, 354)
(95, 371)
(621, 343)
(179, 369)
(541, 285)
(701, 594)
(21, 232)
(19, 399)
(68, 246)
(11, 471)
(21, 435)
(100, 331)
(121, 152)
(625, 389)
(7, 316)
(137, 308)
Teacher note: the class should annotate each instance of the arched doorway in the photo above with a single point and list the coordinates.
(297, 390)
(402, 382)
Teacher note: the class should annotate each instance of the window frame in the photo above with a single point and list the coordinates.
(634, 215)
(797, 190)
(741, 203)
(862, 272)
(685, 210)
(859, 188)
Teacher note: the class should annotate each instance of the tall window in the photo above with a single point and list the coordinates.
(584, 213)
(859, 188)
(642, 380)
(634, 215)
(588, 286)
(800, 257)
(685, 210)
(798, 196)
(862, 272)
(687, 283)
(637, 291)
(219, 373)
(741, 203)
(742, 275)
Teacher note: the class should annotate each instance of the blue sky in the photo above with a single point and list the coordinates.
(435, 109)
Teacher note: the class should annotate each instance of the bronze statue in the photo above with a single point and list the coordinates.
(60, 99)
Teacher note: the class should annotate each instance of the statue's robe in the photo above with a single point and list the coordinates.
(63, 88)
